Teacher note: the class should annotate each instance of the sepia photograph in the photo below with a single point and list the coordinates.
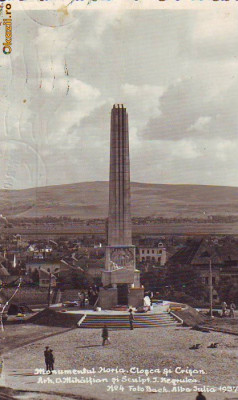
(118, 200)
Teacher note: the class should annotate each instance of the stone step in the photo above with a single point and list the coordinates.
(122, 321)
(135, 319)
(99, 325)
(126, 316)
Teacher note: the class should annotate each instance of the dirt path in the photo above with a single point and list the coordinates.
(142, 348)
(15, 336)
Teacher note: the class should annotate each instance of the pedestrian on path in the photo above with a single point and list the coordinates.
(83, 298)
(131, 319)
(51, 361)
(105, 335)
(224, 308)
(232, 310)
(46, 355)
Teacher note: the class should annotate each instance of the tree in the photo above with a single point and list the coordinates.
(228, 290)
(35, 276)
(153, 279)
(186, 279)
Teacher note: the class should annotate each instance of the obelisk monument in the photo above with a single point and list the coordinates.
(121, 279)
(119, 216)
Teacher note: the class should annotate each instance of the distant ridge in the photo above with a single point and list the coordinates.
(90, 200)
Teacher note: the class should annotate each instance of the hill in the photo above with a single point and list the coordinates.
(90, 200)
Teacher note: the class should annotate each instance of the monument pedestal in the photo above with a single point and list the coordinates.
(107, 298)
(120, 279)
(119, 266)
(121, 295)
(136, 297)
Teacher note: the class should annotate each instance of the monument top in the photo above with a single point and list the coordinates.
(119, 106)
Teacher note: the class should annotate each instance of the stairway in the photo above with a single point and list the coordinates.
(120, 321)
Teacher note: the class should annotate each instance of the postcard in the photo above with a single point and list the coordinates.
(118, 199)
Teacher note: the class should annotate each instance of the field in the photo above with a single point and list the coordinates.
(78, 230)
(90, 200)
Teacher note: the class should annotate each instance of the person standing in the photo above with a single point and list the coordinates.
(46, 355)
(51, 361)
(200, 396)
(80, 299)
(224, 308)
(83, 297)
(105, 335)
(131, 319)
(232, 310)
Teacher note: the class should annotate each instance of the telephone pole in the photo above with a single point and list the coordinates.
(49, 290)
(210, 287)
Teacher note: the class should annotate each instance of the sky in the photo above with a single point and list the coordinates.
(176, 72)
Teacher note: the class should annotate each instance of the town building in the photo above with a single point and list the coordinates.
(152, 253)
(217, 261)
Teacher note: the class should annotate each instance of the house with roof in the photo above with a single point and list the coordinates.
(48, 265)
(198, 254)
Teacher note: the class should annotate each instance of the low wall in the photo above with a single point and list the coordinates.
(49, 317)
(37, 296)
(190, 316)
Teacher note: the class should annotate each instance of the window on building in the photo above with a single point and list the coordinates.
(213, 280)
(148, 251)
(152, 258)
(143, 258)
(153, 251)
(206, 280)
(143, 251)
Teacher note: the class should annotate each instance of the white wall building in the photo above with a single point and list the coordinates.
(153, 254)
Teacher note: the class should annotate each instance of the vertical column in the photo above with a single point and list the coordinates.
(119, 219)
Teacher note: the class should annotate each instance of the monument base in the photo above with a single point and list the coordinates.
(107, 298)
(121, 295)
(136, 297)
(121, 277)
